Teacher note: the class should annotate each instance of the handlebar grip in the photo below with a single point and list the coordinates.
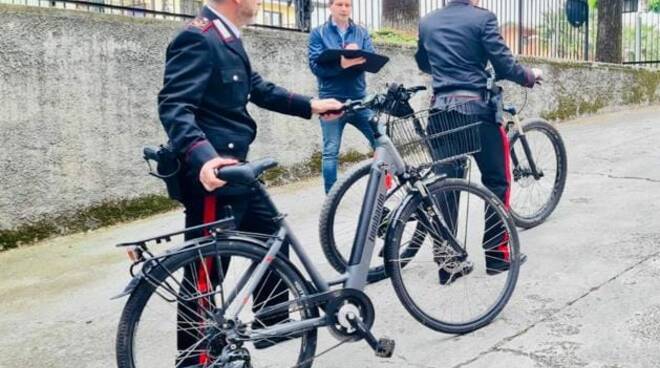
(416, 89)
(150, 153)
(348, 105)
(334, 111)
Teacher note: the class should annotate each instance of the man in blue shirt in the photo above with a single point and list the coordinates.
(340, 80)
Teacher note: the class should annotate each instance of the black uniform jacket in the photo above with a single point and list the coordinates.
(455, 44)
(208, 83)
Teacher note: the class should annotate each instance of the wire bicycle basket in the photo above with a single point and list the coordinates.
(434, 136)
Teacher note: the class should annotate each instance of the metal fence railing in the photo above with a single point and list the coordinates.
(641, 38)
(161, 9)
(273, 13)
(540, 28)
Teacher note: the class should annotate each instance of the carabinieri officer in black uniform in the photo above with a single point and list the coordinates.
(208, 82)
(455, 45)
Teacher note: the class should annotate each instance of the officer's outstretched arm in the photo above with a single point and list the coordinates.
(269, 96)
(187, 72)
(505, 65)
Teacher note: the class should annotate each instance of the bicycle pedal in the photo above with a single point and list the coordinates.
(385, 348)
(382, 347)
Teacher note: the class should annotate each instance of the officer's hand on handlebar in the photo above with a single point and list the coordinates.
(328, 108)
(320, 106)
(207, 173)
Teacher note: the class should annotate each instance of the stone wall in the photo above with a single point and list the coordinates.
(78, 103)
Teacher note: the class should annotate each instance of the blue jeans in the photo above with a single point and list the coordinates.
(332, 132)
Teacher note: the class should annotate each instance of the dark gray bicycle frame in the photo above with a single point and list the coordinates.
(386, 157)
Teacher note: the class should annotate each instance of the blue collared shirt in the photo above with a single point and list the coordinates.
(333, 81)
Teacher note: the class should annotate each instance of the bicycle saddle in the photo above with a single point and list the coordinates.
(246, 173)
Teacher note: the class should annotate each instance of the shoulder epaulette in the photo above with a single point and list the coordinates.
(223, 30)
(200, 23)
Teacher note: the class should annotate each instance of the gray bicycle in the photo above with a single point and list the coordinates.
(236, 321)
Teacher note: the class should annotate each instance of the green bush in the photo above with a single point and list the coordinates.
(394, 37)
(654, 6)
(593, 4)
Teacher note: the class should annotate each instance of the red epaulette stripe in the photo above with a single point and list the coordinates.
(207, 27)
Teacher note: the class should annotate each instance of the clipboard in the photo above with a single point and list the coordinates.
(373, 65)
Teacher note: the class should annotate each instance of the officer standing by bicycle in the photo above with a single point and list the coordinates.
(455, 45)
(207, 84)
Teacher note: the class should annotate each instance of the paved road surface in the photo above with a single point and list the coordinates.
(589, 295)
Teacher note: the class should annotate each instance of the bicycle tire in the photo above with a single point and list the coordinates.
(139, 298)
(394, 238)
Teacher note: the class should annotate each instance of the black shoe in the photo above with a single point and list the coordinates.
(497, 266)
(447, 275)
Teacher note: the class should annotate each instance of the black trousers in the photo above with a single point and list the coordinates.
(494, 164)
(251, 215)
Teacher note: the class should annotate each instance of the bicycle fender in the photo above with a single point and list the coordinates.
(128, 290)
(396, 217)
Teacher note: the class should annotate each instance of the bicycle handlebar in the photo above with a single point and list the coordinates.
(396, 93)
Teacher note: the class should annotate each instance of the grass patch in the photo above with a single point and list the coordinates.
(309, 168)
(108, 213)
(114, 212)
(391, 36)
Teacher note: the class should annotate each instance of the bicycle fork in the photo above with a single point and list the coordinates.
(519, 172)
(438, 223)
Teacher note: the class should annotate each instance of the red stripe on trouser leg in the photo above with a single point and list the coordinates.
(204, 269)
(507, 166)
(504, 247)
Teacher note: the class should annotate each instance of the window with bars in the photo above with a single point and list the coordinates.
(272, 18)
(630, 6)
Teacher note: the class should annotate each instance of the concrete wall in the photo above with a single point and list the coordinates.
(78, 103)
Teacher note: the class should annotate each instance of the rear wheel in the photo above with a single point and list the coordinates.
(171, 319)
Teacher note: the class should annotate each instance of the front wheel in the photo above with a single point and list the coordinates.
(534, 197)
(466, 269)
(172, 318)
